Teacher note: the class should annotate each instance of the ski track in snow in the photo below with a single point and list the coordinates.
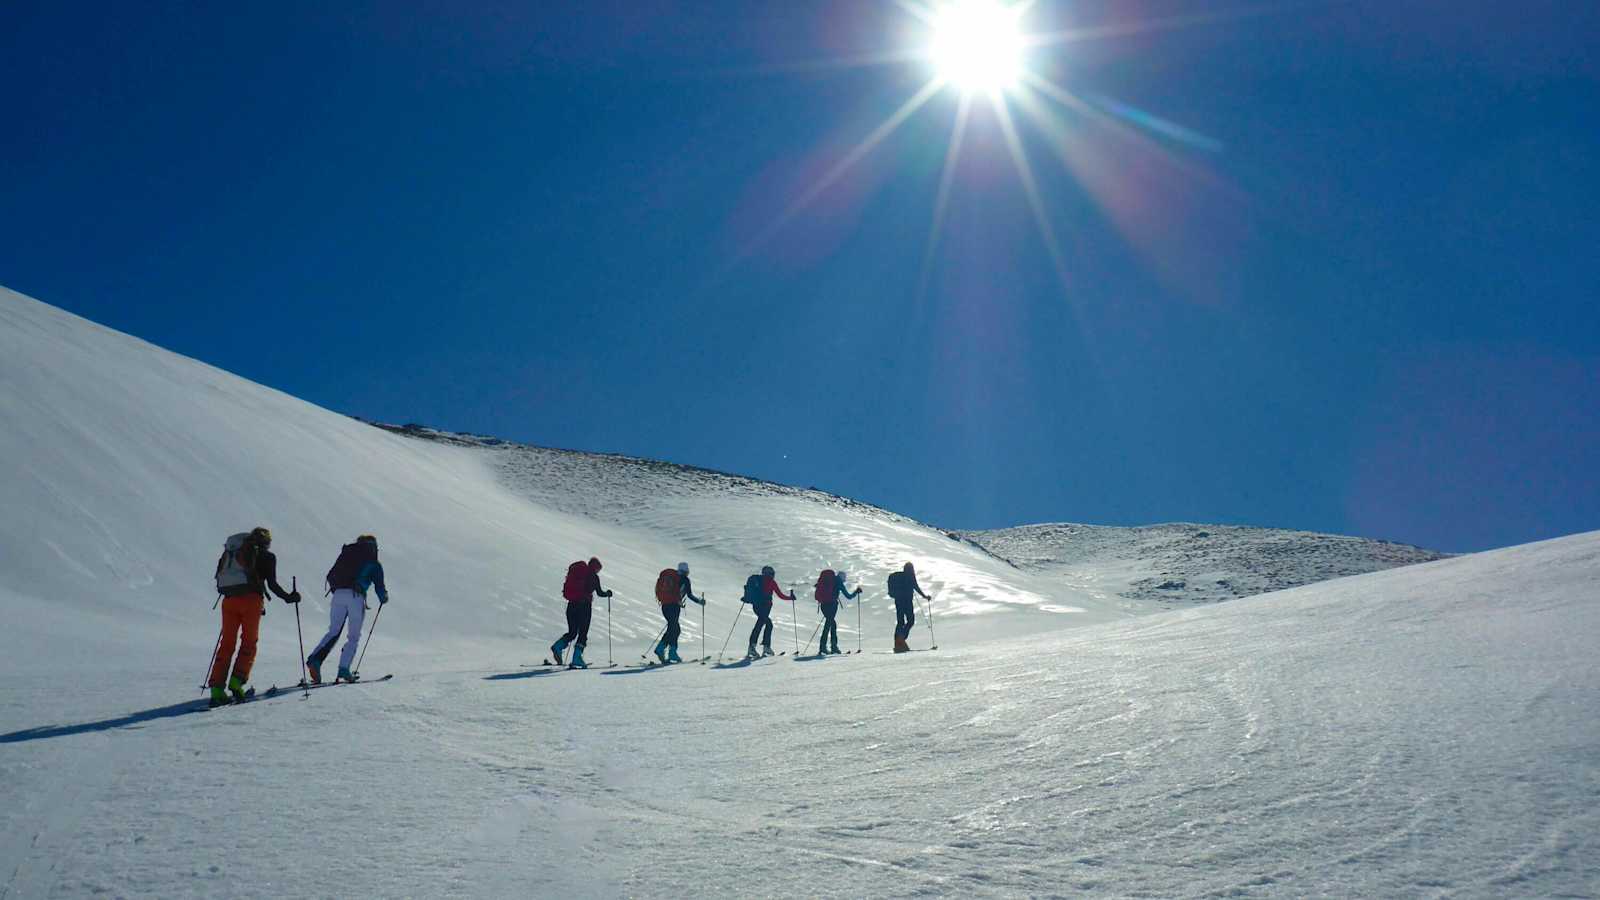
(1389, 735)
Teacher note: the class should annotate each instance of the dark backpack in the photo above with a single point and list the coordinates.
(576, 587)
(348, 566)
(825, 592)
(898, 589)
(752, 590)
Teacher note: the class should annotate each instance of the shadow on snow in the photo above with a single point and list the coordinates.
(128, 721)
(517, 676)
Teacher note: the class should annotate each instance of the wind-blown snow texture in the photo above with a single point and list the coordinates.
(1183, 565)
(1429, 730)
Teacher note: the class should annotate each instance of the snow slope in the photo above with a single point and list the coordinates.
(129, 465)
(1182, 565)
(1423, 732)
(1428, 730)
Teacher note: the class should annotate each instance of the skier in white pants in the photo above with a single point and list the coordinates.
(356, 570)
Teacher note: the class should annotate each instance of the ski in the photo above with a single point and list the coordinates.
(304, 686)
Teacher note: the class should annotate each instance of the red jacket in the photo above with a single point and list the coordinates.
(770, 585)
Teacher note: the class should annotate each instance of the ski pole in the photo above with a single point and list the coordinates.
(927, 603)
(703, 629)
(656, 642)
(369, 636)
(813, 634)
(858, 623)
(294, 588)
(609, 660)
(205, 680)
(794, 618)
(730, 632)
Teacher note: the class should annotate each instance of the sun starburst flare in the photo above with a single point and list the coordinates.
(981, 51)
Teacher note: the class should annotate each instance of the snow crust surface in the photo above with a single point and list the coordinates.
(1425, 731)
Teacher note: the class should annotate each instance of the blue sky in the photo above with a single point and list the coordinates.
(1356, 292)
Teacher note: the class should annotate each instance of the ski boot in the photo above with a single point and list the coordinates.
(900, 645)
(314, 670)
(558, 648)
(347, 676)
(577, 659)
(835, 650)
(672, 655)
(661, 653)
(751, 653)
(766, 650)
(236, 688)
(219, 697)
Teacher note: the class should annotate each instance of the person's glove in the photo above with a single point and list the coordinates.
(294, 597)
(699, 600)
(606, 594)
(382, 601)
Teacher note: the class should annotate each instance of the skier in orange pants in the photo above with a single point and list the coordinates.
(244, 573)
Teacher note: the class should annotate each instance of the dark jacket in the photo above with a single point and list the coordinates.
(263, 574)
(903, 584)
(684, 591)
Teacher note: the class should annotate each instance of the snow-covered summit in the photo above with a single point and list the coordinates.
(1178, 565)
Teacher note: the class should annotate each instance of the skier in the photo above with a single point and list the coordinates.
(356, 569)
(830, 585)
(761, 605)
(902, 585)
(672, 588)
(580, 588)
(245, 571)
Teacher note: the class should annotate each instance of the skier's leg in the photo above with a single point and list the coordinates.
(572, 625)
(755, 632)
(336, 614)
(670, 639)
(584, 614)
(249, 631)
(224, 655)
(356, 604)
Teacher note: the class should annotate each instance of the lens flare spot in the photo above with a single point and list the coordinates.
(977, 45)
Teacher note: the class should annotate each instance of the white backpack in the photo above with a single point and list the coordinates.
(233, 570)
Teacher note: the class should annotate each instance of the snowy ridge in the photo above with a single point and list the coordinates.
(1179, 565)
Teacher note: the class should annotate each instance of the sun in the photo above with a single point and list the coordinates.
(977, 45)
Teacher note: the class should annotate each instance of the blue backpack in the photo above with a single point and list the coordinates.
(752, 590)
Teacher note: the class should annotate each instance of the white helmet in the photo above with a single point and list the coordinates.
(683, 568)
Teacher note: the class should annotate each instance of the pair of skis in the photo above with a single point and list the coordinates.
(306, 686)
(657, 664)
(251, 694)
(547, 664)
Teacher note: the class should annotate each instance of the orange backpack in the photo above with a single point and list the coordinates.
(667, 588)
(825, 593)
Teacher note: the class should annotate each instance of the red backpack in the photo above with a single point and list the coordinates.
(825, 592)
(576, 588)
(667, 588)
